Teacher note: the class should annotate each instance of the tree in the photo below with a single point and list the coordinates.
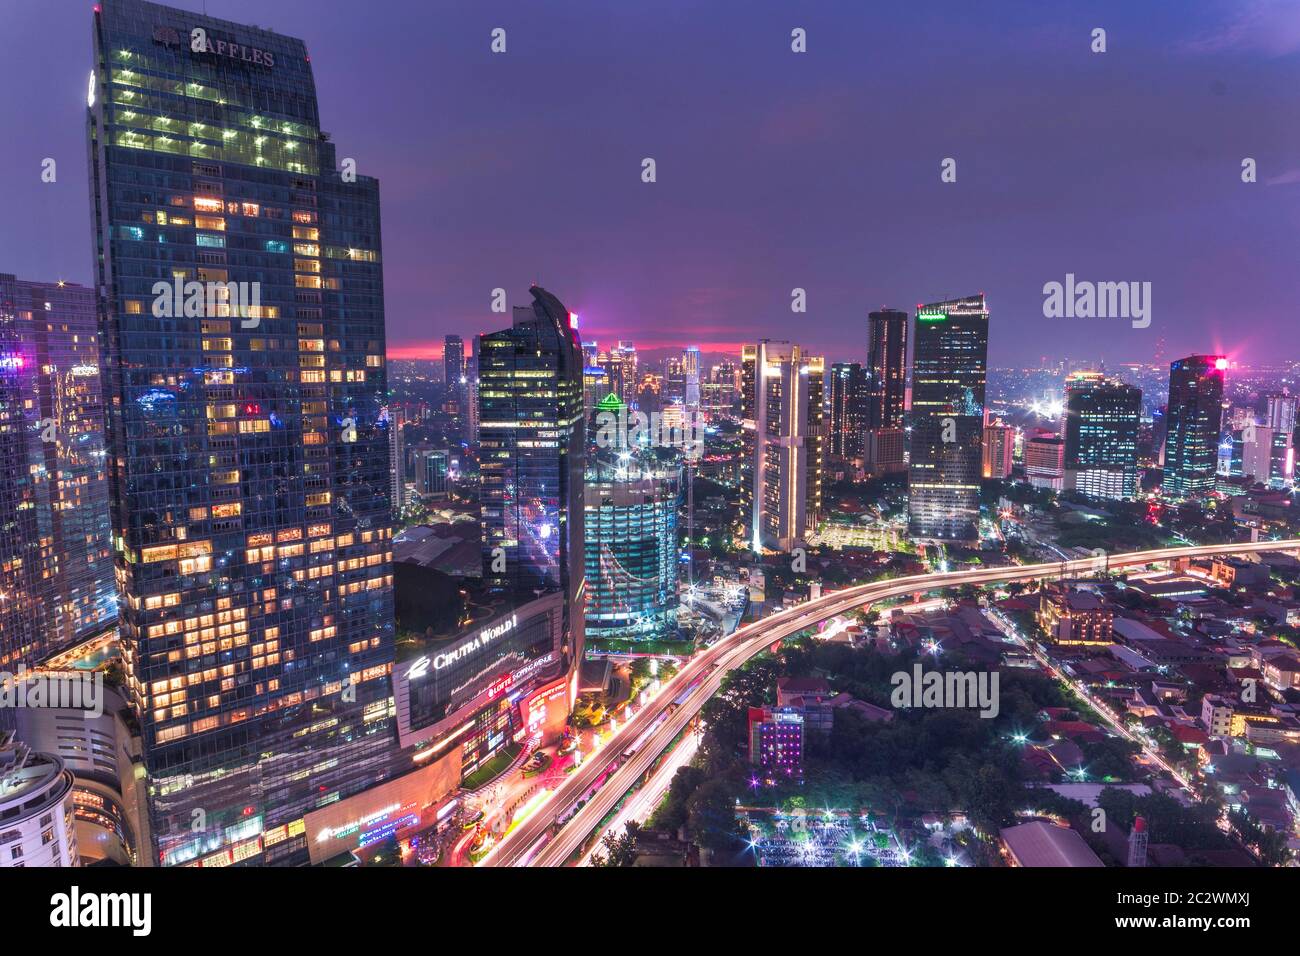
(619, 850)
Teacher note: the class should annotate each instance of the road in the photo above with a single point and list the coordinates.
(699, 679)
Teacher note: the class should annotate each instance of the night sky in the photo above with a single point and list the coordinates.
(775, 169)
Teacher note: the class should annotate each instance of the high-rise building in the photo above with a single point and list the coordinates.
(999, 449)
(1102, 418)
(632, 500)
(432, 472)
(453, 362)
(1045, 461)
(949, 370)
(781, 405)
(1282, 412)
(849, 410)
(691, 378)
(886, 368)
(532, 448)
(397, 458)
(242, 320)
(56, 566)
(1192, 424)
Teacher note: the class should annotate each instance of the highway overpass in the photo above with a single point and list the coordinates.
(701, 676)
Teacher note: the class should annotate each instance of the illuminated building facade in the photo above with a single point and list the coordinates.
(784, 439)
(1102, 418)
(56, 567)
(776, 736)
(36, 809)
(1192, 425)
(886, 368)
(849, 410)
(999, 449)
(532, 448)
(949, 371)
(242, 320)
(631, 547)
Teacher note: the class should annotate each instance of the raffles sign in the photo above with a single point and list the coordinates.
(201, 43)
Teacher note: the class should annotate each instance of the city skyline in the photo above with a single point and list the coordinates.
(1094, 193)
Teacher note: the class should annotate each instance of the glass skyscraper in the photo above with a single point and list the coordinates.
(532, 449)
(949, 371)
(1192, 424)
(242, 316)
(632, 499)
(56, 567)
(850, 404)
(1102, 416)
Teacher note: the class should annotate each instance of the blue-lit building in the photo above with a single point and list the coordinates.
(56, 567)
(776, 737)
(242, 322)
(1102, 418)
(1192, 425)
(532, 448)
(632, 553)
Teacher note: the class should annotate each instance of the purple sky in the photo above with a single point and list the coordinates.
(775, 170)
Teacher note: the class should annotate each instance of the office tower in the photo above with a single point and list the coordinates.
(949, 362)
(1266, 454)
(1192, 424)
(691, 376)
(631, 371)
(849, 410)
(453, 362)
(471, 400)
(675, 378)
(632, 500)
(397, 458)
(1282, 413)
(818, 439)
(432, 473)
(886, 367)
(1102, 417)
(242, 317)
(1045, 461)
(36, 808)
(999, 449)
(616, 378)
(782, 411)
(532, 448)
(56, 567)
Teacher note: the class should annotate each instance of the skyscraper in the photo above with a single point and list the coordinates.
(1192, 424)
(1102, 416)
(783, 422)
(691, 374)
(949, 369)
(242, 316)
(630, 527)
(453, 362)
(56, 567)
(532, 446)
(999, 449)
(850, 403)
(886, 368)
